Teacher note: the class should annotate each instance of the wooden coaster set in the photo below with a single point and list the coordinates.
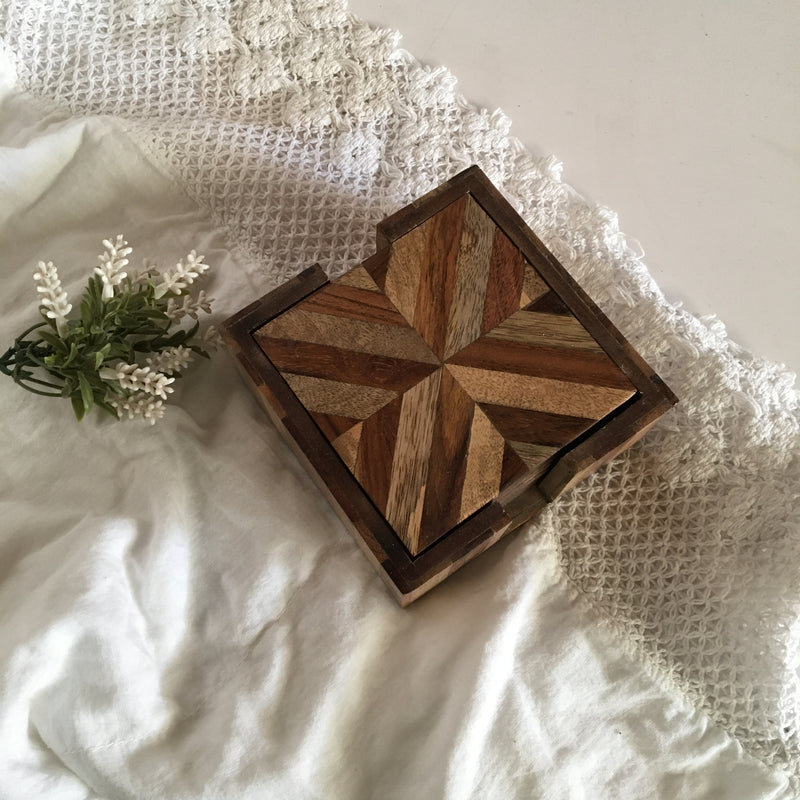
(449, 387)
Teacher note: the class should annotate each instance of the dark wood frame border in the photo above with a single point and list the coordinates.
(409, 577)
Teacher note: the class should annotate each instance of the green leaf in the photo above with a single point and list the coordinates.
(86, 311)
(117, 350)
(73, 351)
(54, 341)
(179, 337)
(87, 395)
(108, 408)
(115, 388)
(77, 407)
(147, 330)
(91, 303)
(101, 354)
(153, 313)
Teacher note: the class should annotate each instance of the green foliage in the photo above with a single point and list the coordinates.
(66, 359)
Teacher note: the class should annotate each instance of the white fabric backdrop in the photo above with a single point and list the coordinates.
(182, 615)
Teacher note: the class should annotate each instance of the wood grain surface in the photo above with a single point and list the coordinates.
(405, 366)
(448, 387)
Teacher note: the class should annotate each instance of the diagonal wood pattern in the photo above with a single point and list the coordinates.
(444, 391)
(443, 372)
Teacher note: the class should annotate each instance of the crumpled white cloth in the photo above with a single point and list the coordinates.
(181, 615)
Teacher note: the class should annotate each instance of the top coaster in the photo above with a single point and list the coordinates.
(456, 381)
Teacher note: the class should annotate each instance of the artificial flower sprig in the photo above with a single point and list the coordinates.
(127, 347)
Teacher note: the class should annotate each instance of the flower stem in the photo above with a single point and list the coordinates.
(39, 391)
(30, 379)
(24, 333)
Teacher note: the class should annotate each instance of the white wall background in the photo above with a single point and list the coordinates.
(683, 117)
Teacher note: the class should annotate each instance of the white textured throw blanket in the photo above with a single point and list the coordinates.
(181, 614)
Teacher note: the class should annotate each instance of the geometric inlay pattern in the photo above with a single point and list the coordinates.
(443, 371)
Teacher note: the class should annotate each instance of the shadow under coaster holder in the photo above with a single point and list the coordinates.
(445, 390)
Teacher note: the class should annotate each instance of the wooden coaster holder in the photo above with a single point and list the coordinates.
(445, 390)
